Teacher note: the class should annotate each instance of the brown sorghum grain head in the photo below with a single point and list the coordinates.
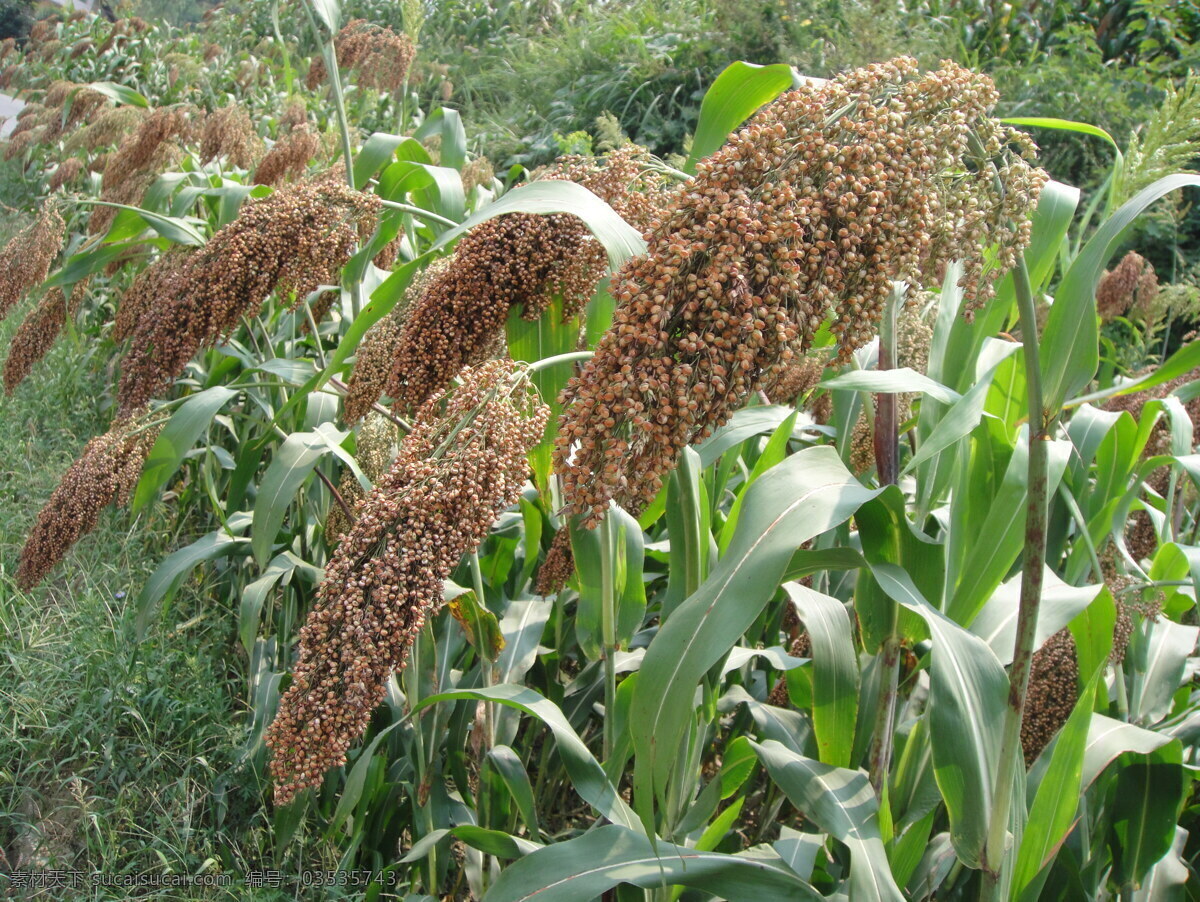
(379, 56)
(26, 259)
(105, 473)
(20, 142)
(789, 381)
(321, 307)
(807, 214)
(1118, 289)
(377, 350)
(151, 285)
(66, 172)
(38, 332)
(478, 171)
(295, 114)
(212, 51)
(84, 103)
(558, 566)
(229, 133)
(458, 469)
(517, 260)
(289, 242)
(1053, 692)
(862, 440)
(289, 157)
(108, 128)
(136, 163)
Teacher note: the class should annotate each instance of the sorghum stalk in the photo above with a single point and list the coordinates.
(608, 627)
(329, 51)
(887, 453)
(1033, 563)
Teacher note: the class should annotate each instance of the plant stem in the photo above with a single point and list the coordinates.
(608, 629)
(887, 453)
(329, 51)
(1033, 565)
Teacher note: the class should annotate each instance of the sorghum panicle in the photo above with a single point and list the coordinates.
(291, 241)
(289, 157)
(139, 160)
(26, 259)
(558, 566)
(808, 213)
(517, 260)
(105, 473)
(1053, 692)
(38, 332)
(453, 475)
(228, 132)
(376, 352)
(1132, 282)
(379, 56)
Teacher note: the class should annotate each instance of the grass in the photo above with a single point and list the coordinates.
(117, 755)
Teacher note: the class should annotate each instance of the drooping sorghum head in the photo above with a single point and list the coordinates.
(38, 332)
(1132, 282)
(1053, 691)
(379, 56)
(138, 160)
(229, 133)
(291, 241)
(289, 157)
(377, 351)
(105, 473)
(374, 450)
(516, 260)
(26, 259)
(558, 566)
(66, 172)
(463, 463)
(808, 213)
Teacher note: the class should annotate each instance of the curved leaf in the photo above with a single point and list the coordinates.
(807, 494)
(734, 96)
(587, 867)
(587, 776)
(186, 425)
(621, 240)
(842, 803)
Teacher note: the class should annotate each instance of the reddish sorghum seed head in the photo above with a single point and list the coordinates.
(1124, 286)
(376, 352)
(379, 56)
(558, 566)
(374, 450)
(26, 259)
(289, 157)
(1053, 692)
(808, 214)
(517, 260)
(38, 332)
(229, 133)
(290, 242)
(65, 173)
(460, 467)
(137, 162)
(107, 129)
(151, 284)
(105, 473)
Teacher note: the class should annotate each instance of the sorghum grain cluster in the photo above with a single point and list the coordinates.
(291, 241)
(379, 56)
(26, 259)
(105, 473)
(453, 475)
(517, 260)
(1053, 692)
(1131, 283)
(807, 214)
(38, 332)
(288, 158)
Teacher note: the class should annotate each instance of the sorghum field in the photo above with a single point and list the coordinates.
(634, 451)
